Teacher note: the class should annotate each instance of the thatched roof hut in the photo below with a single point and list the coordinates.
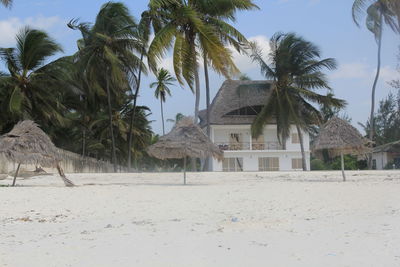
(339, 138)
(28, 144)
(186, 139)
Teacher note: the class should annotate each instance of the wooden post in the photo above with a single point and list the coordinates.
(16, 174)
(342, 161)
(184, 170)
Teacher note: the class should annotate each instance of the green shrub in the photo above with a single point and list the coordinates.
(317, 165)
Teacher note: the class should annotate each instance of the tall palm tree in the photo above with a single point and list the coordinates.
(378, 13)
(31, 86)
(107, 56)
(296, 69)
(184, 29)
(164, 80)
(143, 34)
(217, 13)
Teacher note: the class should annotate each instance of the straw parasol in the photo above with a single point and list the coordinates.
(339, 138)
(186, 139)
(28, 144)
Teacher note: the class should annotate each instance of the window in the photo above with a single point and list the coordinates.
(297, 164)
(295, 138)
(232, 165)
(374, 164)
(268, 164)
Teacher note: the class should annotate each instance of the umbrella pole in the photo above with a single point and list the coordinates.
(342, 162)
(16, 174)
(184, 170)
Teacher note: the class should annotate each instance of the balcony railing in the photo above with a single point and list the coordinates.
(249, 146)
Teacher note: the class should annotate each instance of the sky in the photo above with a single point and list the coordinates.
(326, 23)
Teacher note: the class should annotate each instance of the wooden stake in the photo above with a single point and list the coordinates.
(16, 174)
(342, 161)
(184, 170)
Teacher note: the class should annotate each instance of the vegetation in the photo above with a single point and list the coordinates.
(296, 68)
(378, 13)
(164, 80)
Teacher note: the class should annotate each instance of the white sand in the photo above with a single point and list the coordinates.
(220, 219)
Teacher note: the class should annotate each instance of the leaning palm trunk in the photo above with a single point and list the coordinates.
(134, 111)
(303, 153)
(372, 115)
(113, 153)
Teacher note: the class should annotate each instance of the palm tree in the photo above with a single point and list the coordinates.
(217, 13)
(31, 87)
(178, 117)
(378, 13)
(164, 80)
(184, 29)
(6, 3)
(143, 34)
(296, 70)
(107, 56)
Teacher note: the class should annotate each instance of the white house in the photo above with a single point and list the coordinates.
(231, 114)
(386, 156)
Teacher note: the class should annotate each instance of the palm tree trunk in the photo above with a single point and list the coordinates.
(378, 70)
(197, 94)
(113, 153)
(83, 142)
(162, 116)
(207, 80)
(303, 153)
(133, 112)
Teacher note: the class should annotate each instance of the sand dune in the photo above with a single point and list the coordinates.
(219, 219)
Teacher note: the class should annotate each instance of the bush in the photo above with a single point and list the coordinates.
(350, 163)
(317, 165)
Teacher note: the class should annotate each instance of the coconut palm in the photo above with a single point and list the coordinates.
(217, 13)
(107, 55)
(164, 80)
(184, 29)
(378, 13)
(31, 88)
(296, 69)
(143, 34)
(178, 117)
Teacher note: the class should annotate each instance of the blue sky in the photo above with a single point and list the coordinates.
(327, 23)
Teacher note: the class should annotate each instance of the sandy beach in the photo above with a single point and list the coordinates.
(219, 219)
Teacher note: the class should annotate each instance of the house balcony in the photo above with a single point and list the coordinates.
(249, 146)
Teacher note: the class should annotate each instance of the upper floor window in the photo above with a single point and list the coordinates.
(250, 110)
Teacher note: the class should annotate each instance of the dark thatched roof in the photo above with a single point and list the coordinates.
(28, 144)
(338, 136)
(393, 147)
(185, 140)
(235, 95)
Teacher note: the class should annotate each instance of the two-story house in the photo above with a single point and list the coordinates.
(232, 112)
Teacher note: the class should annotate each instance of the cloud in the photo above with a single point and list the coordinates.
(10, 27)
(351, 71)
(364, 71)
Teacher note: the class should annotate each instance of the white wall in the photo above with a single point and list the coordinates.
(381, 160)
(250, 159)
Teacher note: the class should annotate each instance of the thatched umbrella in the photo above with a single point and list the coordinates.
(186, 139)
(28, 144)
(339, 138)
